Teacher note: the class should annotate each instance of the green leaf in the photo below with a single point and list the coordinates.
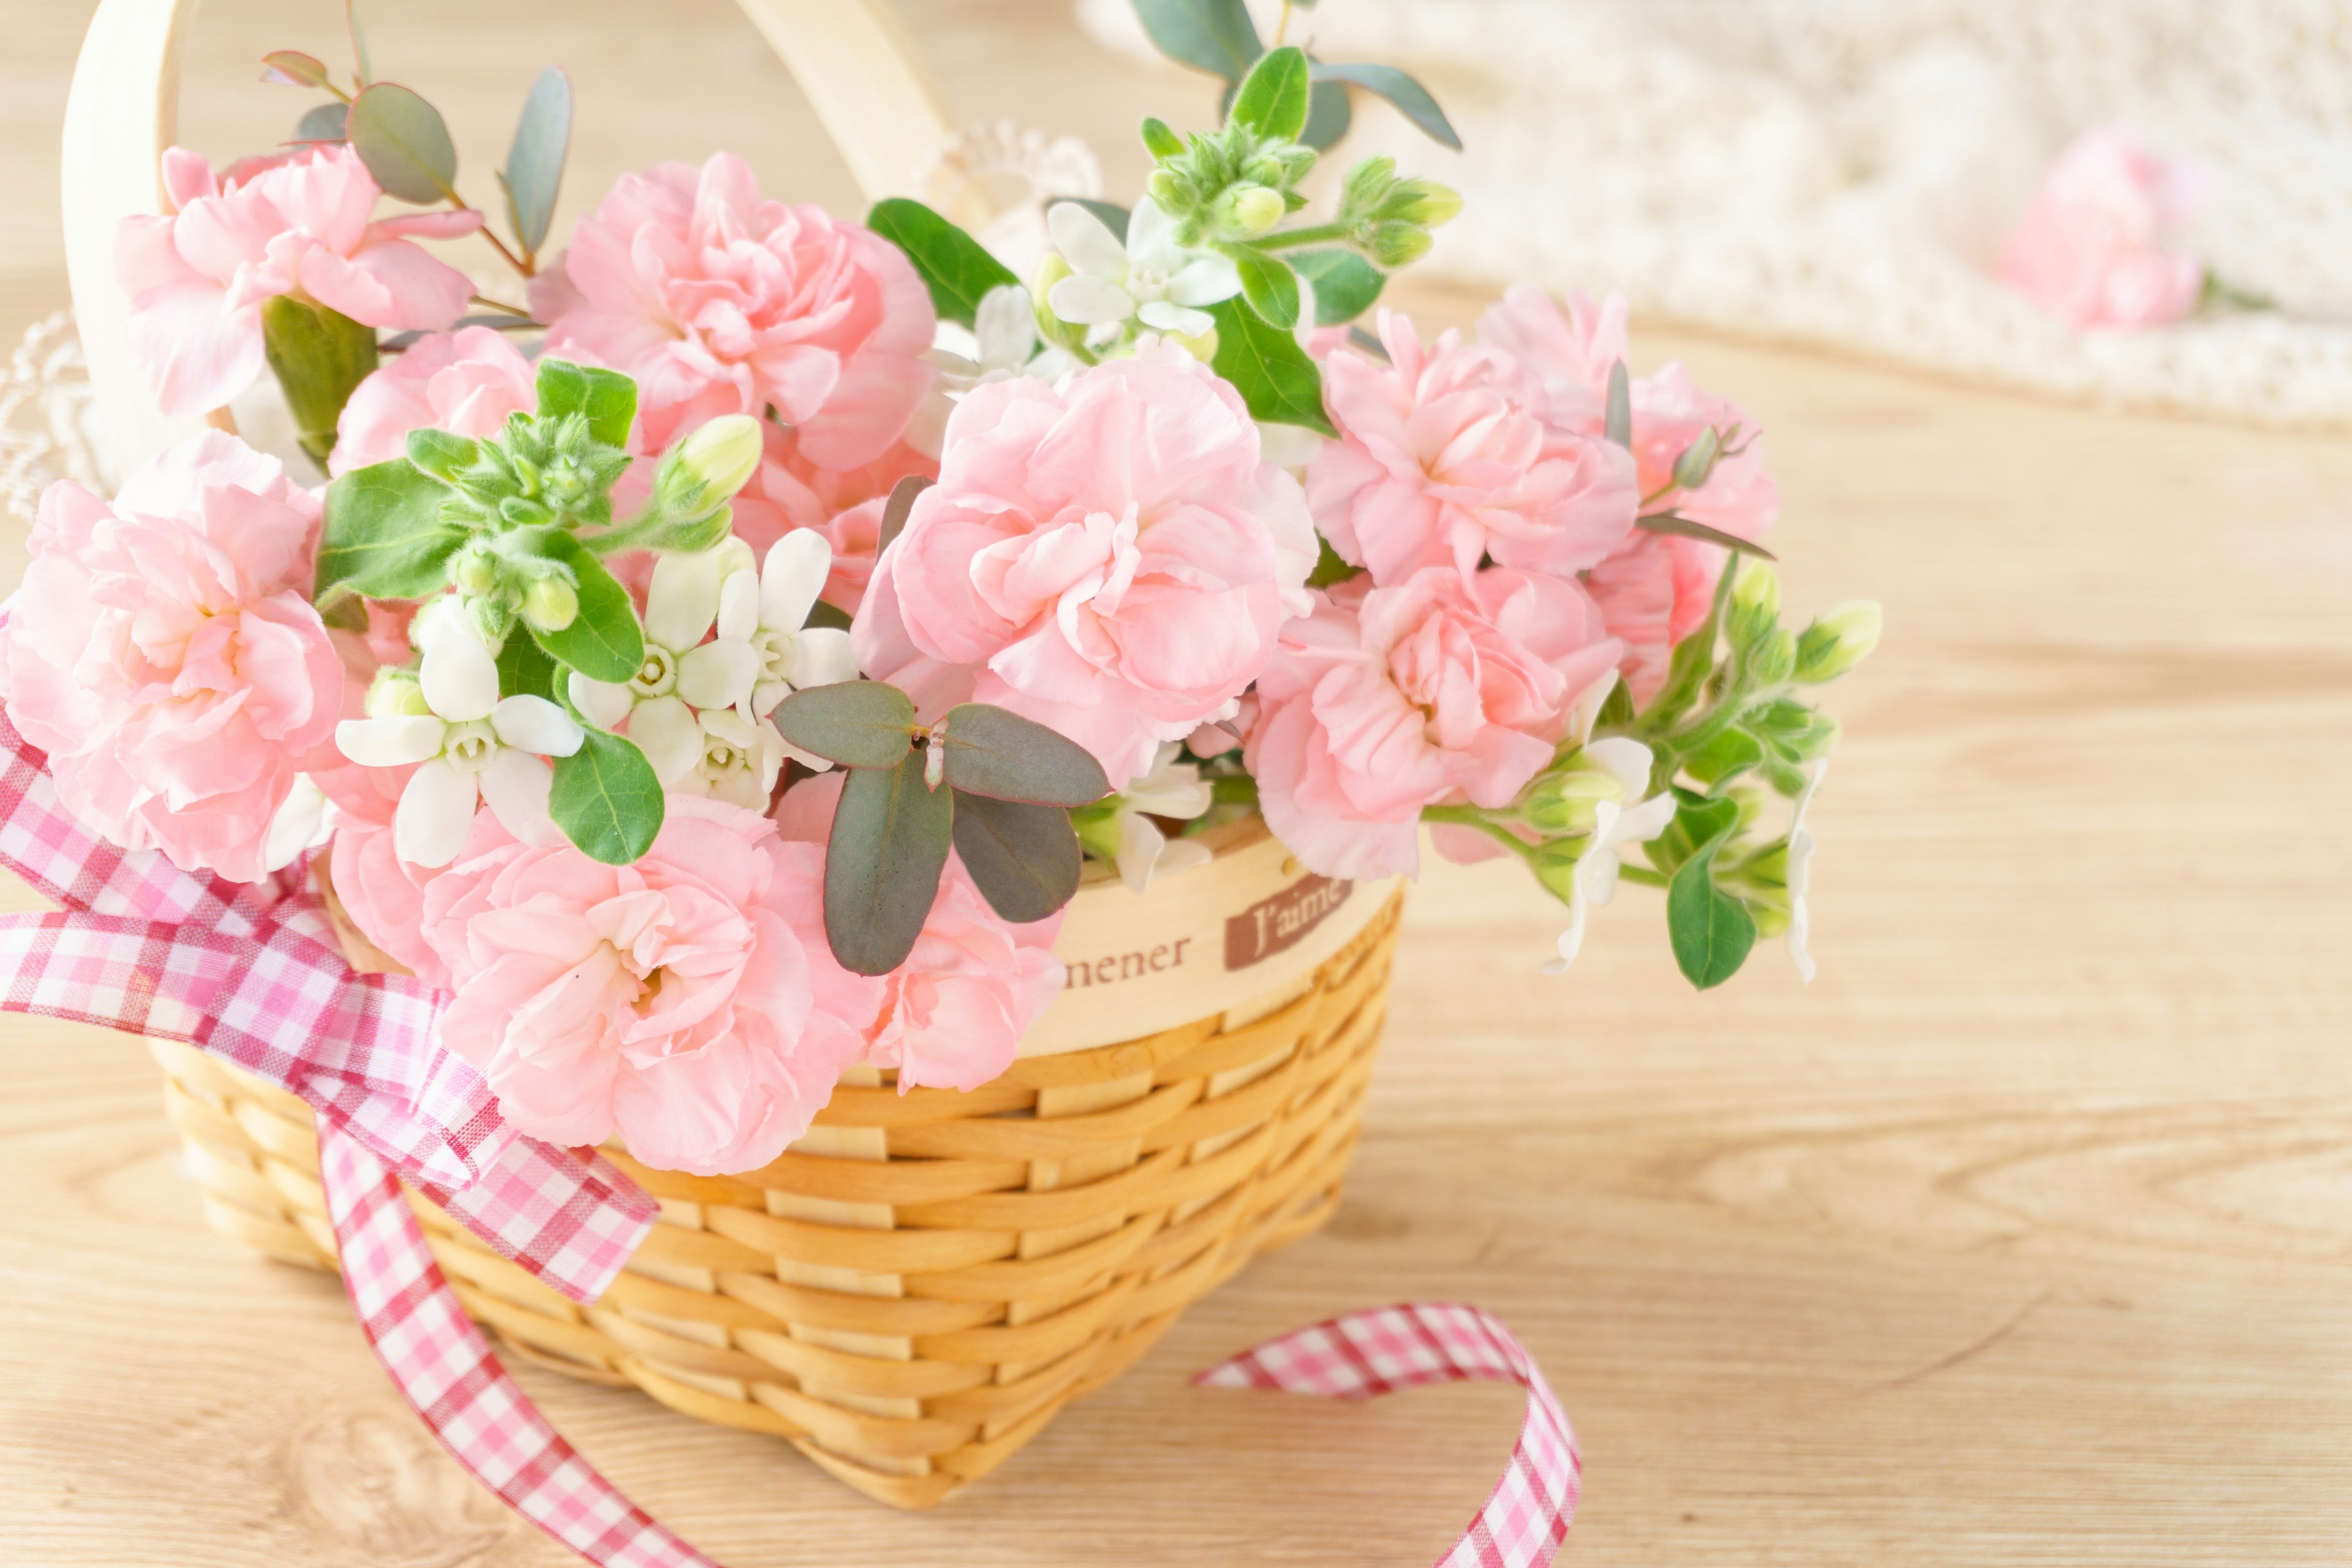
(1698, 822)
(1616, 709)
(382, 535)
(534, 171)
(1411, 98)
(1269, 287)
(607, 799)
(830, 616)
(1214, 35)
(1691, 527)
(607, 398)
(1619, 425)
(321, 122)
(525, 670)
(1688, 669)
(1346, 284)
(1114, 217)
(292, 67)
(1023, 857)
(857, 723)
(1273, 98)
(1711, 930)
(1329, 115)
(320, 357)
(440, 454)
(952, 265)
(895, 510)
(1276, 380)
(603, 641)
(1329, 566)
(882, 865)
(404, 144)
(1731, 752)
(1007, 757)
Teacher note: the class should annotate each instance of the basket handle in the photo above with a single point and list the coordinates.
(849, 57)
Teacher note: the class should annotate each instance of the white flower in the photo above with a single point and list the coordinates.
(681, 672)
(1150, 276)
(726, 757)
(766, 611)
(1594, 880)
(1171, 789)
(1000, 345)
(472, 747)
(304, 820)
(1800, 867)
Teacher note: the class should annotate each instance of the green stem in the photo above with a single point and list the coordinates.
(1472, 816)
(1313, 234)
(1642, 876)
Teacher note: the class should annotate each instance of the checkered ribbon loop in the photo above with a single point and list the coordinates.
(252, 974)
(1365, 1354)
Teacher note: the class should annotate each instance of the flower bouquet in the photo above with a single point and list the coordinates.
(792, 705)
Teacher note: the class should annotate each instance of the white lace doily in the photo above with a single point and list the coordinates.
(1841, 172)
(44, 418)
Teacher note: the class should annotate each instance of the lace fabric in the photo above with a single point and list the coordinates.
(1841, 172)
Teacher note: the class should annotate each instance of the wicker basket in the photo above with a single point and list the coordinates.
(912, 1292)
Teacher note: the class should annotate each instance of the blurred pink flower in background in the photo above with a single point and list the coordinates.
(465, 383)
(1571, 352)
(952, 1016)
(1433, 690)
(787, 491)
(688, 1001)
(720, 303)
(2101, 245)
(1447, 455)
(1110, 555)
(163, 651)
(296, 223)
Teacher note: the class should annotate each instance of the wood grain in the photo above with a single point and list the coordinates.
(2021, 1236)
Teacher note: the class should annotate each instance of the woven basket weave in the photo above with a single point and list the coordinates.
(914, 1290)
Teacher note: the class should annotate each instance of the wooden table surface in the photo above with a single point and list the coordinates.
(2022, 1236)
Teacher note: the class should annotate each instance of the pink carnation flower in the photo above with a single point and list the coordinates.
(465, 383)
(1449, 454)
(688, 1001)
(384, 896)
(720, 303)
(1434, 690)
(1654, 588)
(953, 1014)
(293, 225)
(1112, 552)
(787, 491)
(163, 651)
(2100, 244)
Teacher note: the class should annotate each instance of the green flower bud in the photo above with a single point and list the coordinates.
(1838, 641)
(1554, 865)
(1755, 600)
(1159, 141)
(551, 603)
(703, 472)
(476, 570)
(1772, 919)
(1749, 797)
(1245, 212)
(1698, 461)
(692, 536)
(1424, 202)
(1366, 186)
(1564, 802)
(396, 694)
(1774, 657)
(1395, 244)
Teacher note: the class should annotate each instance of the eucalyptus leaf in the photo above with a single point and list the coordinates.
(956, 268)
(857, 723)
(603, 641)
(1330, 567)
(1619, 423)
(404, 144)
(320, 357)
(1023, 857)
(1329, 115)
(1411, 100)
(607, 799)
(895, 510)
(890, 843)
(1345, 285)
(1269, 286)
(1272, 99)
(362, 70)
(1691, 527)
(1712, 931)
(1276, 380)
(830, 617)
(607, 398)
(321, 122)
(382, 534)
(526, 670)
(534, 171)
(1000, 754)
(292, 67)
(1215, 35)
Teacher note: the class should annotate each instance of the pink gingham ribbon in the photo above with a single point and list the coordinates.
(253, 975)
(1365, 1354)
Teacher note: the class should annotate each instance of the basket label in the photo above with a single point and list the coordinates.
(1266, 928)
